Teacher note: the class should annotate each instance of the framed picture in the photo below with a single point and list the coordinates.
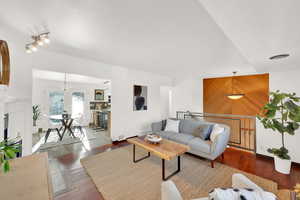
(140, 97)
(99, 95)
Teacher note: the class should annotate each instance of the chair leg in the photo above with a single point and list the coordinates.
(222, 156)
(81, 131)
(47, 134)
(58, 133)
(212, 163)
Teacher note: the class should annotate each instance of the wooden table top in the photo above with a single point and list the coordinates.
(166, 149)
(28, 179)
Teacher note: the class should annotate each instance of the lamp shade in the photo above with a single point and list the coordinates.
(235, 96)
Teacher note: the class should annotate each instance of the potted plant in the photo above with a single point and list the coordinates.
(7, 152)
(36, 115)
(281, 114)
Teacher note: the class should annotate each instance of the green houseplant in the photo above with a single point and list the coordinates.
(281, 114)
(7, 152)
(36, 111)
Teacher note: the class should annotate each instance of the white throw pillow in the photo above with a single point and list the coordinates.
(217, 129)
(172, 125)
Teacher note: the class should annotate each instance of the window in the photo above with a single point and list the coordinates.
(77, 103)
(56, 103)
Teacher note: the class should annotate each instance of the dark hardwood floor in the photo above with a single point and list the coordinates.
(84, 189)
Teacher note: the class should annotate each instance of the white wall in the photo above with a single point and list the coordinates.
(187, 95)
(165, 101)
(125, 121)
(287, 81)
(40, 96)
(18, 96)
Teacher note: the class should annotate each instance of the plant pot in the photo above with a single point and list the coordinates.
(282, 165)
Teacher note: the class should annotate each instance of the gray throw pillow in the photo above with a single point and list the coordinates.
(203, 131)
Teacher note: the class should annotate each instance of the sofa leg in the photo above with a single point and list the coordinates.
(212, 164)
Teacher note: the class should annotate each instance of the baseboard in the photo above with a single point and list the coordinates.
(123, 140)
(270, 157)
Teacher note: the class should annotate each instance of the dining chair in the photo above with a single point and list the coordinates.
(78, 123)
(52, 126)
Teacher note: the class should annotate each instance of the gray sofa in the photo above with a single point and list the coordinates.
(198, 146)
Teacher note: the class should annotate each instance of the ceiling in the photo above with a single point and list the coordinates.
(58, 76)
(260, 29)
(170, 37)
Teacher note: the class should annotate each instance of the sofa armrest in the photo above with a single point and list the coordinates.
(241, 181)
(156, 126)
(169, 191)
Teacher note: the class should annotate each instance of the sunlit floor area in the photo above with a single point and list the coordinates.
(85, 141)
(58, 151)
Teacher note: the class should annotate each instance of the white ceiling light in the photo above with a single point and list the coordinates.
(39, 40)
(234, 96)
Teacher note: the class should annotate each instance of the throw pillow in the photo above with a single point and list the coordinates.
(240, 194)
(172, 125)
(203, 131)
(163, 123)
(217, 130)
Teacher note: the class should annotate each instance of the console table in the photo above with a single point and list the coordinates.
(28, 179)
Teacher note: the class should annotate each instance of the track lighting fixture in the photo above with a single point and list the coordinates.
(38, 40)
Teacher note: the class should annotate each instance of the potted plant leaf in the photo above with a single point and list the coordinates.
(36, 116)
(8, 151)
(281, 114)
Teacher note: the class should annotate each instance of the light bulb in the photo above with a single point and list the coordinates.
(46, 40)
(40, 42)
(33, 48)
(28, 50)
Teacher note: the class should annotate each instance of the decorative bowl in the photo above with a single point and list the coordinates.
(153, 138)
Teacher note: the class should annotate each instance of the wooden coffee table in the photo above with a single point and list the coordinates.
(166, 150)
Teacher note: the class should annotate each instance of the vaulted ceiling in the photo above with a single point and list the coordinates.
(170, 37)
(260, 29)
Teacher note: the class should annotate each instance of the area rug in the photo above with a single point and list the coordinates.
(117, 177)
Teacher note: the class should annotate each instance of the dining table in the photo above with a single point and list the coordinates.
(66, 121)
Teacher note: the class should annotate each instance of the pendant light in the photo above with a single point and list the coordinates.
(234, 96)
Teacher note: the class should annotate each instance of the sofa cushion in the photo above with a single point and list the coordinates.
(172, 125)
(216, 131)
(189, 125)
(200, 145)
(181, 138)
(167, 134)
(203, 131)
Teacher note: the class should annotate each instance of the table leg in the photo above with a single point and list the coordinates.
(134, 160)
(164, 178)
(69, 127)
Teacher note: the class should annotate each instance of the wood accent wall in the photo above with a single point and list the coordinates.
(255, 88)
